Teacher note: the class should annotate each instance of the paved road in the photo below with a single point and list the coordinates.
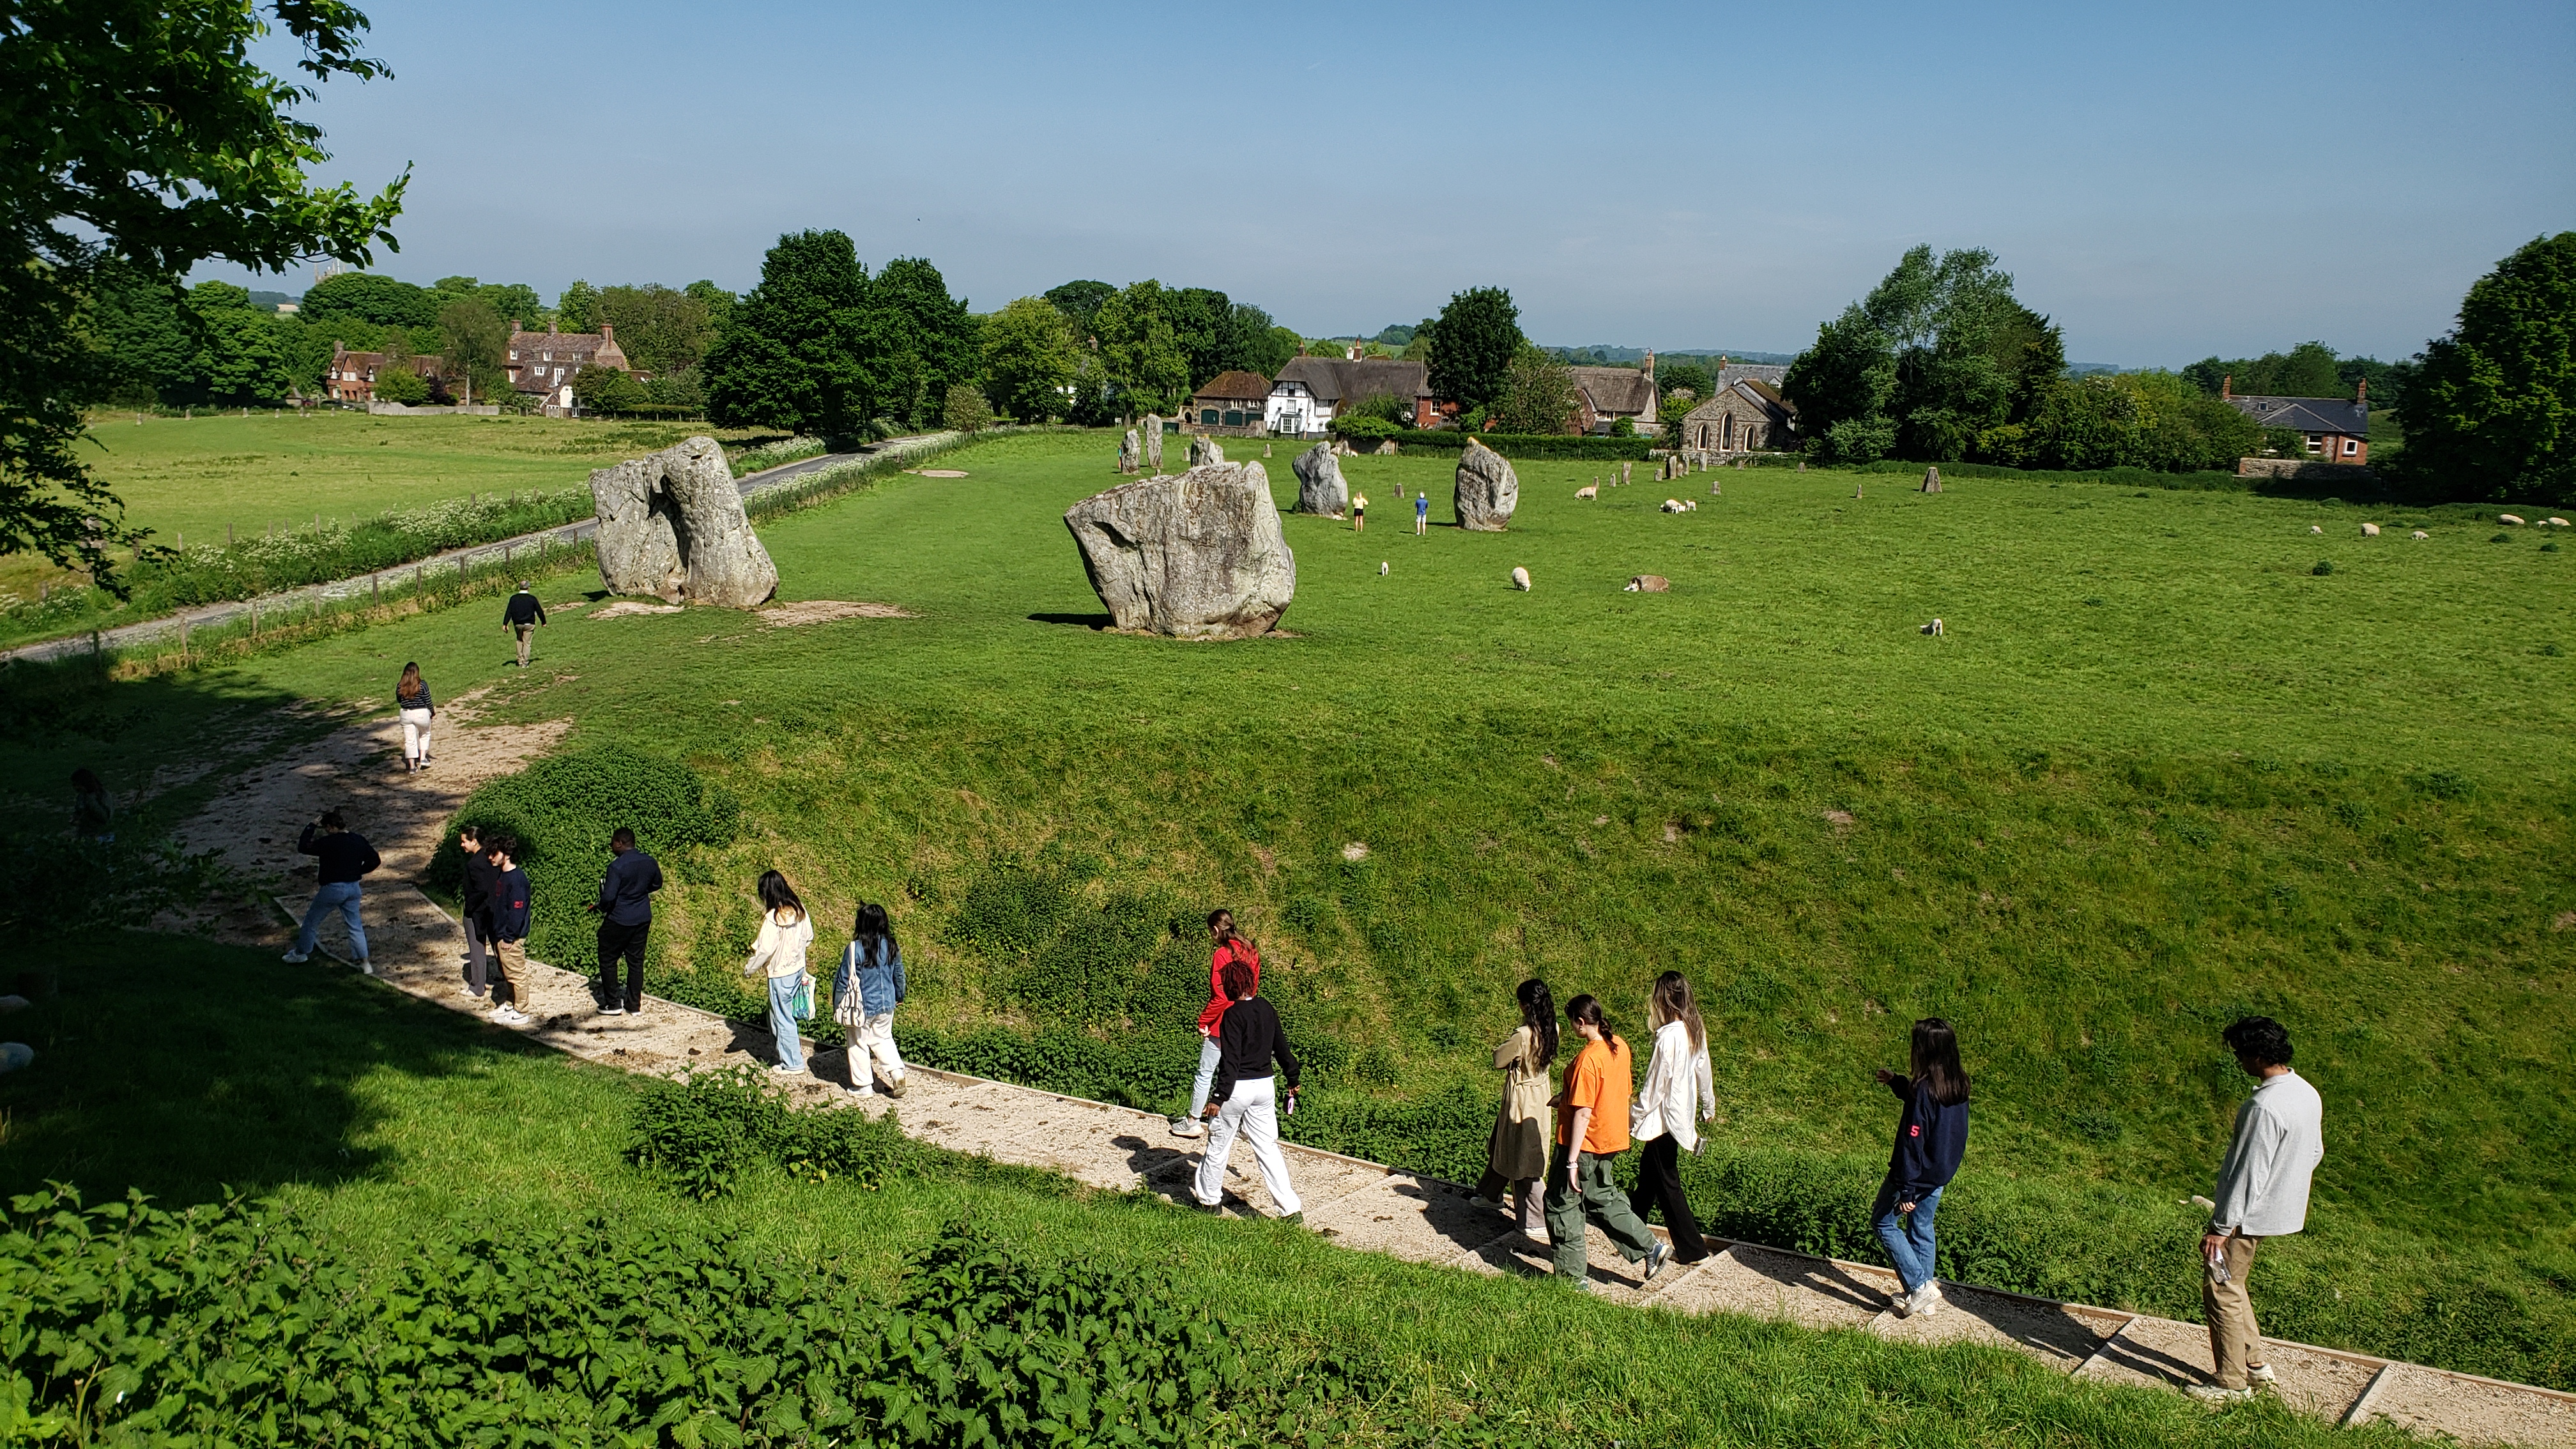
(545, 541)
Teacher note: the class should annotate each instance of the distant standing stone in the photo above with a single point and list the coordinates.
(1204, 449)
(1931, 480)
(1198, 555)
(1487, 491)
(1129, 451)
(1154, 442)
(1320, 489)
(671, 524)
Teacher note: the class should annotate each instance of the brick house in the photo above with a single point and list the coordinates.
(1747, 416)
(545, 362)
(2337, 430)
(1603, 395)
(1310, 391)
(352, 376)
(1234, 402)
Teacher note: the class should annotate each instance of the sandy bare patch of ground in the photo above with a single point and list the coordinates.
(825, 611)
(937, 472)
(625, 607)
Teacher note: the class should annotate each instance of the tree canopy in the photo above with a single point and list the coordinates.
(1141, 351)
(1029, 359)
(1473, 344)
(2490, 406)
(821, 347)
(146, 138)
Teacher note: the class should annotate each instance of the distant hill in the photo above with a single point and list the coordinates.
(271, 300)
(1598, 356)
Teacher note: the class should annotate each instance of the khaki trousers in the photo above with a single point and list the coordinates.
(524, 630)
(512, 957)
(2234, 1341)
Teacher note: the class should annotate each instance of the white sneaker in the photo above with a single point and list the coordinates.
(1187, 1127)
(294, 958)
(612, 1010)
(784, 1070)
(1925, 1302)
(2215, 1397)
(366, 968)
(469, 993)
(509, 1015)
(2261, 1373)
(861, 1091)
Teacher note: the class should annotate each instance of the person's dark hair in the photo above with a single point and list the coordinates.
(1237, 979)
(621, 836)
(1673, 1002)
(334, 820)
(1936, 1062)
(1221, 921)
(1587, 1010)
(465, 833)
(410, 678)
(504, 843)
(1538, 1013)
(87, 782)
(2260, 1040)
(872, 932)
(777, 895)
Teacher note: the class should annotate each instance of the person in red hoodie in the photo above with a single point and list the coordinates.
(1228, 947)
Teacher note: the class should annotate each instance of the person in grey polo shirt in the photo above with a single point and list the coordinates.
(2262, 1193)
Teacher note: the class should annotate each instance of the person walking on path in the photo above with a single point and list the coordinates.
(1226, 946)
(505, 922)
(1245, 1100)
(625, 911)
(786, 933)
(1677, 1097)
(344, 857)
(1422, 512)
(411, 697)
(2262, 1193)
(1516, 1157)
(93, 813)
(1931, 1137)
(1591, 1131)
(864, 996)
(523, 616)
(481, 876)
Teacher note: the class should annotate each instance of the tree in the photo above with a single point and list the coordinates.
(2490, 406)
(1080, 301)
(383, 301)
(1538, 394)
(794, 353)
(660, 329)
(1478, 336)
(1139, 351)
(240, 356)
(718, 302)
(1842, 387)
(398, 383)
(1675, 377)
(921, 342)
(1029, 359)
(966, 411)
(605, 389)
(146, 136)
(1418, 347)
(577, 307)
(477, 344)
(1254, 343)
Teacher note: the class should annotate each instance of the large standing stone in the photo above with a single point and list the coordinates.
(1931, 480)
(672, 525)
(1198, 555)
(1154, 442)
(1204, 449)
(1129, 450)
(1320, 488)
(1488, 490)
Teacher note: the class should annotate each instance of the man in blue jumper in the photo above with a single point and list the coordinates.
(625, 909)
(344, 856)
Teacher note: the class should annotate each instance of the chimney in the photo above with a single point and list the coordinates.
(2361, 393)
(1650, 362)
(515, 329)
(607, 332)
(2227, 386)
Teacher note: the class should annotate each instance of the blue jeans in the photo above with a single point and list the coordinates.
(1908, 1236)
(1205, 1082)
(341, 896)
(782, 1023)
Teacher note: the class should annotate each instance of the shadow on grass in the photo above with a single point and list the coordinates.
(1087, 621)
(188, 1068)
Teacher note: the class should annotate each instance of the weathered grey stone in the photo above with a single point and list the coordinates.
(1386, 448)
(671, 525)
(1198, 555)
(1488, 490)
(1129, 451)
(1154, 442)
(1931, 480)
(1204, 449)
(1320, 488)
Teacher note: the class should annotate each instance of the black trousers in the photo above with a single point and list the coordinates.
(1659, 1184)
(627, 941)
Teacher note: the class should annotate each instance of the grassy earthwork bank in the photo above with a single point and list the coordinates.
(2161, 769)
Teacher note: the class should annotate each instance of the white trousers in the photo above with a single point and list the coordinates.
(872, 1052)
(1253, 1112)
(415, 734)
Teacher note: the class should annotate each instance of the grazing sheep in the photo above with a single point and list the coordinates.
(2316, 528)
(2555, 521)
(1587, 492)
(1672, 505)
(1381, 570)
(2419, 533)
(1648, 584)
(1934, 629)
(2370, 530)
(1520, 579)
(2508, 518)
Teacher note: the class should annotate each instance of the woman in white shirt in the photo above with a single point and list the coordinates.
(786, 933)
(1666, 1115)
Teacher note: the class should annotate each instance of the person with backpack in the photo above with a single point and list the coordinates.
(2262, 1193)
(1931, 1137)
(343, 857)
(1516, 1155)
(1226, 947)
(864, 995)
(786, 934)
(625, 911)
(523, 616)
(411, 700)
(506, 918)
(1245, 1100)
(481, 875)
(1591, 1132)
(1677, 1097)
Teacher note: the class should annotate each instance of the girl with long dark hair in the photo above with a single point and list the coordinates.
(1516, 1158)
(1591, 1132)
(864, 996)
(411, 697)
(1931, 1137)
(1677, 1097)
(786, 934)
(1225, 946)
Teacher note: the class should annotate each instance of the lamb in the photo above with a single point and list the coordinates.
(2419, 533)
(1934, 629)
(1672, 505)
(1593, 492)
(1381, 570)
(2511, 518)
(2370, 530)
(2316, 528)
(1520, 579)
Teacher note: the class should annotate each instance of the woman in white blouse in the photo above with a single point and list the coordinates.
(786, 933)
(1666, 1115)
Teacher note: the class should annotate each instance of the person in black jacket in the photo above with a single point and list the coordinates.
(480, 875)
(505, 920)
(625, 909)
(345, 856)
(1244, 1101)
(1931, 1137)
(522, 616)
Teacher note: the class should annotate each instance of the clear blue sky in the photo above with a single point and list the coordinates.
(2166, 180)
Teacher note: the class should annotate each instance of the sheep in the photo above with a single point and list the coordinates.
(1520, 579)
(1934, 629)
(1648, 584)
(1587, 492)
(2370, 530)
(2419, 533)
(1381, 570)
(2511, 518)
(2316, 528)
(2555, 521)
(1672, 505)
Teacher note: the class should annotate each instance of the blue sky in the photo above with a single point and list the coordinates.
(2166, 180)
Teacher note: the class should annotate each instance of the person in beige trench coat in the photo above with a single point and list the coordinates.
(1517, 1155)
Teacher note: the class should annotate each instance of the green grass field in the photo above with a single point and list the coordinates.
(2158, 772)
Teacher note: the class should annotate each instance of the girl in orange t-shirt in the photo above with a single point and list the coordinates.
(1591, 1131)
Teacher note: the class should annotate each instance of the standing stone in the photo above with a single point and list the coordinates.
(1320, 489)
(1204, 449)
(1627, 472)
(1386, 448)
(1488, 490)
(1931, 480)
(1129, 451)
(671, 524)
(1198, 555)
(1154, 443)
(1265, 450)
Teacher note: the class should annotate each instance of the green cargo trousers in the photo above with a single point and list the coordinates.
(1594, 1196)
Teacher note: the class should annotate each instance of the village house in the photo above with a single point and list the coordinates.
(352, 376)
(1234, 402)
(545, 362)
(2337, 430)
(1310, 391)
(1603, 395)
(1748, 415)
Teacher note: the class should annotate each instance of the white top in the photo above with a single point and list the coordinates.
(1676, 1081)
(784, 939)
(2280, 1139)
